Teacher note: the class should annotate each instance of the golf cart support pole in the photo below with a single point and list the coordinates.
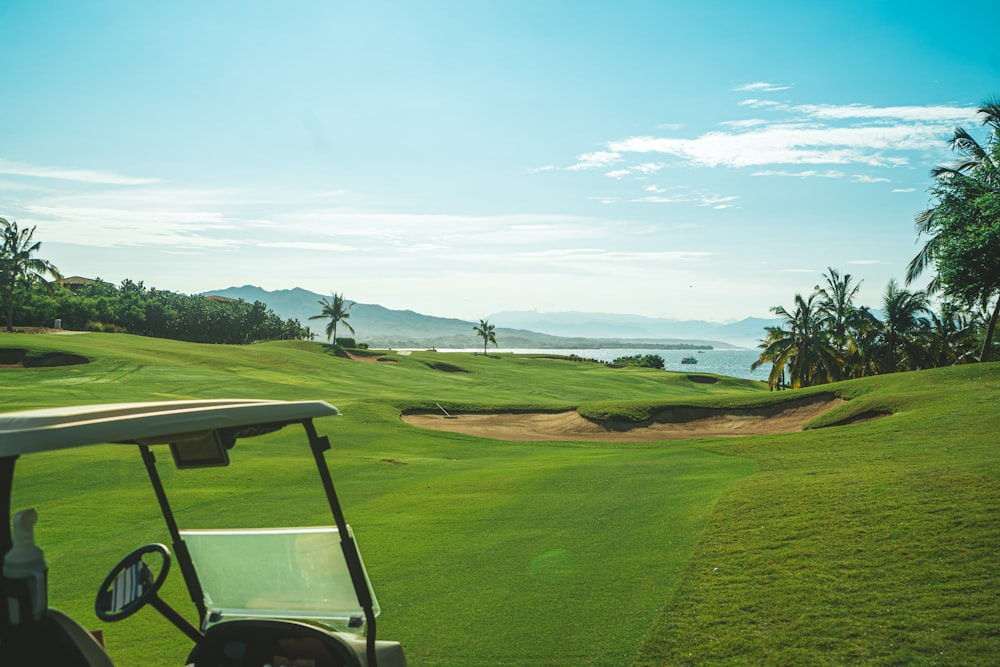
(180, 549)
(348, 546)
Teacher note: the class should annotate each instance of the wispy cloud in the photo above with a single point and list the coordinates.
(308, 245)
(813, 134)
(70, 174)
(930, 114)
(760, 86)
(780, 144)
(803, 141)
(596, 160)
(808, 173)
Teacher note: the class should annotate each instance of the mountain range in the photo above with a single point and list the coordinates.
(382, 327)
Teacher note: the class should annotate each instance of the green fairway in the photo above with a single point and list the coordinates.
(872, 543)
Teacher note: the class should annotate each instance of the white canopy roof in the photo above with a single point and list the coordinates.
(75, 426)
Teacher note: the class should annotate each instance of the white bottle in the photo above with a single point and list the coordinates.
(26, 561)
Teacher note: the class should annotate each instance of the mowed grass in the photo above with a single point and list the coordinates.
(873, 543)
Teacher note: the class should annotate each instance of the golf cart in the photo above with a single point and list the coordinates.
(295, 596)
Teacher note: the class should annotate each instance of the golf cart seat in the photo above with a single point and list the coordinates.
(246, 643)
(58, 640)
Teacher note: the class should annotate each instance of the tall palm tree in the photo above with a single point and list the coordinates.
(837, 305)
(863, 350)
(18, 265)
(900, 343)
(335, 309)
(801, 345)
(967, 189)
(487, 331)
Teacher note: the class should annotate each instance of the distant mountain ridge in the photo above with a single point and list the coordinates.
(744, 333)
(382, 327)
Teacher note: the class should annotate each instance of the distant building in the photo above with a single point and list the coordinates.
(76, 283)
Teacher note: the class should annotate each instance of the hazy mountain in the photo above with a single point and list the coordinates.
(382, 327)
(743, 333)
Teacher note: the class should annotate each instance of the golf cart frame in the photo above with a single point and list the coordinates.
(198, 434)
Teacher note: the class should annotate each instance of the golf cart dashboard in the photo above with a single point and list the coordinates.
(255, 643)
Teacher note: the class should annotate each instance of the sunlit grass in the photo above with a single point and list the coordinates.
(874, 543)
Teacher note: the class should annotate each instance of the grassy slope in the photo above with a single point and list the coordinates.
(873, 543)
(552, 548)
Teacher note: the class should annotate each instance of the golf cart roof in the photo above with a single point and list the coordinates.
(148, 423)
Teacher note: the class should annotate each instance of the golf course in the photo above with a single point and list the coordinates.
(533, 510)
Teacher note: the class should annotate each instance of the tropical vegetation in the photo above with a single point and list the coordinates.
(641, 361)
(20, 268)
(827, 337)
(963, 226)
(131, 307)
(336, 310)
(487, 331)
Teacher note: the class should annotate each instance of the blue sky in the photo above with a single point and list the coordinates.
(670, 159)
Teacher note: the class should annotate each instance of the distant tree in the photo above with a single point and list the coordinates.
(900, 342)
(19, 268)
(335, 309)
(963, 226)
(487, 331)
(837, 305)
(642, 361)
(801, 347)
(949, 335)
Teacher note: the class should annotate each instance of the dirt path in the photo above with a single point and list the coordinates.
(672, 424)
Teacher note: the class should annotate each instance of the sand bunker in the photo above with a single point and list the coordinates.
(670, 424)
(19, 358)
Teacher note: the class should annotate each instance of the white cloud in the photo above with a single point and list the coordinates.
(904, 189)
(648, 168)
(780, 144)
(741, 124)
(658, 199)
(717, 201)
(69, 174)
(758, 104)
(930, 114)
(595, 160)
(808, 173)
(618, 173)
(308, 245)
(864, 178)
(760, 86)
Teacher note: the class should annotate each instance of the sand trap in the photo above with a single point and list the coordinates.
(671, 424)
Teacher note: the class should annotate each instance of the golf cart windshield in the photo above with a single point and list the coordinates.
(280, 573)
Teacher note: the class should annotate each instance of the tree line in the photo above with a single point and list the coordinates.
(826, 337)
(130, 307)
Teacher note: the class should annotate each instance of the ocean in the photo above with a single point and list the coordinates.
(734, 363)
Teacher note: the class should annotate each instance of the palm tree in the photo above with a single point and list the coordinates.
(487, 331)
(863, 350)
(802, 345)
(837, 306)
(949, 334)
(968, 194)
(335, 309)
(899, 338)
(18, 265)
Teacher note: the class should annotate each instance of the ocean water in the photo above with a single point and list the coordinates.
(734, 363)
